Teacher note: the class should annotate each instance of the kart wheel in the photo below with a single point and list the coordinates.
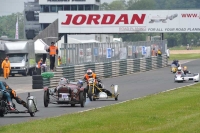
(82, 99)
(46, 98)
(72, 105)
(90, 95)
(116, 98)
(32, 114)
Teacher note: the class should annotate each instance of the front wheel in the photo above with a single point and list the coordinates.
(82, 99)
(1, 114)
(90, 94)
(32, 114)
(46, 98)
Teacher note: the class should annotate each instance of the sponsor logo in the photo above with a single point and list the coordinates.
(104, 19)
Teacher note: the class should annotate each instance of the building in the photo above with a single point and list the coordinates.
(39, 14)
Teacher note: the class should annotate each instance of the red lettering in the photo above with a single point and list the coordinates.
(93, 17)
(82, 17)
(68, 20)
(105, 19)
(123, 18)
(138, 19)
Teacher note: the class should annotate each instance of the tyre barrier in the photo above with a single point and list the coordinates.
(37, 82)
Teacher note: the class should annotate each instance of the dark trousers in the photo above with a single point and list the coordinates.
(52, 62)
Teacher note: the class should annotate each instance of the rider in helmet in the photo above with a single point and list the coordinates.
(180, 71)
(185, 70)
(13, 95)
(91, 74)
(6, 95)
(63, 81)
(176, 62)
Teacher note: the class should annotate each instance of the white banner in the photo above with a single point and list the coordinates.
(128, 21)
(88, 55)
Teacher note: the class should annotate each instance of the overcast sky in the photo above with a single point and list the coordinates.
(8, 7)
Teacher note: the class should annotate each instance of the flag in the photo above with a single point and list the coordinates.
(16, 32)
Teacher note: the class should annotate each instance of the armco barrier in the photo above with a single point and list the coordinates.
(108, 69)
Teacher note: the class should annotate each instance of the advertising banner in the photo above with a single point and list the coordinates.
(129, 21)
(109, 53)
(80, 52)
(88, 55)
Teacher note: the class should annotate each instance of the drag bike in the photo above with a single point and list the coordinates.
(4, 107)
(97, 92)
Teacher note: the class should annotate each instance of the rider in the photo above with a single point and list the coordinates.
(185, 70)
(14, 95)
(180, 71)
(176, 62)
(6, 95)
(90, 74)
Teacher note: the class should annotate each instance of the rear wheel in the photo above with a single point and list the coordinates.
(46, 98)
(82, 99)
(1, 115)
(90, 94)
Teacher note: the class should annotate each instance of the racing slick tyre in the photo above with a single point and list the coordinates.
(37, 77)
(72, 105)
(37, 86)
(46, 98)
(90, 95)
(82, 99)
(116, 98)
(37, 82)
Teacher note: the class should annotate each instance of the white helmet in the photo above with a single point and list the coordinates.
(89, 72)
(179, 68)
(63, 81)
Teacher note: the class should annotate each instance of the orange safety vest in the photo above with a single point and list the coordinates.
(5, 64)
(52, 50)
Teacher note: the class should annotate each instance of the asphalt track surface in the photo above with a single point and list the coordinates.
(130, 87)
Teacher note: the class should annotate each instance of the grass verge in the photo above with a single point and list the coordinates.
(182, 48)
(184, 56)
(169, 112)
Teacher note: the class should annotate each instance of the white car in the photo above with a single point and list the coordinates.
(179, 77)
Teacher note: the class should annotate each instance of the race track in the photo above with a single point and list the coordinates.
(130, 86)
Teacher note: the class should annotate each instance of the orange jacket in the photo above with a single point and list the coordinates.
(5, 64)
(86, 76)
(53, 50)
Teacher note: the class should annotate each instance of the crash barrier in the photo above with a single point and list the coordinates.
(37, 82)
(108, 69)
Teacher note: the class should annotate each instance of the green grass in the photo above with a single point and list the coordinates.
(184, 48)
(175, 111)
(184, 56)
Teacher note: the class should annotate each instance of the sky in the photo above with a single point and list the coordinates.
(8, 7)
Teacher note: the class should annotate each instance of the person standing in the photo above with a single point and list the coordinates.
(53, 51)
(6, 68)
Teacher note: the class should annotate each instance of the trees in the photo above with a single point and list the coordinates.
(8, 25)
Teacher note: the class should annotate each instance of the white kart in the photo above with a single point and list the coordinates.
(180, 77)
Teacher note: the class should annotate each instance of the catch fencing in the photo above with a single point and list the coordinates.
(108, 69)
(88, 53)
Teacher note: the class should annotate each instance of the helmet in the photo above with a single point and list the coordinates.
(179, 68)
(89, 72)
(80, 83)
(63, 81)
(185, 68)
